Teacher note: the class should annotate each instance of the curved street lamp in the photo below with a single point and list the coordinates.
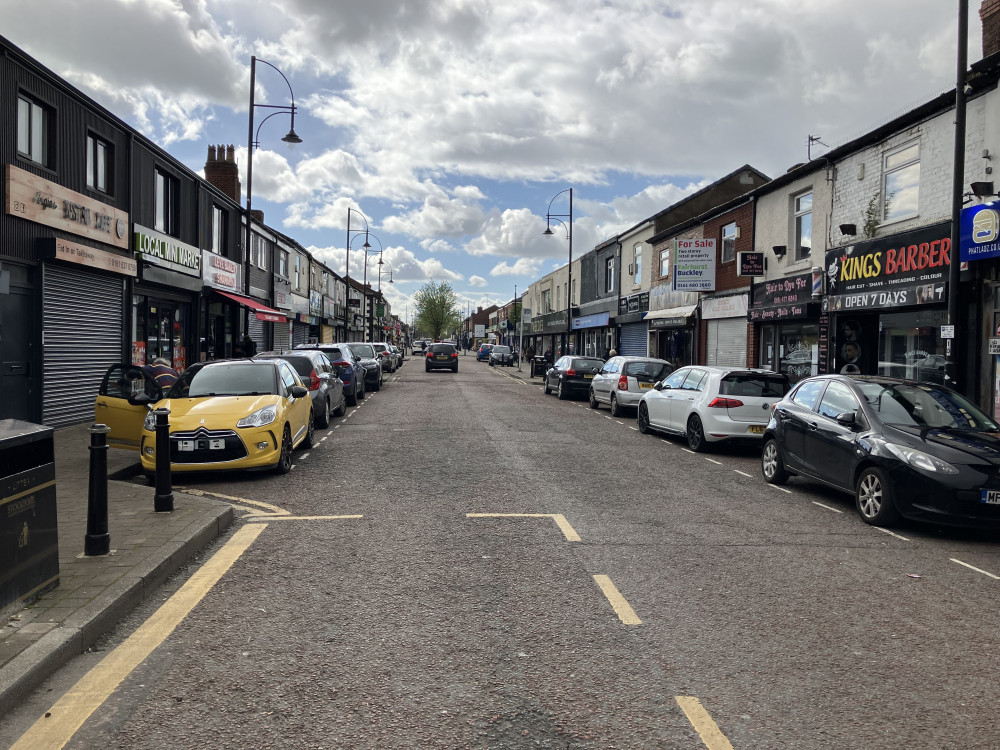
(549, 216)
(253, 142)
(347, 261)
(368, 318)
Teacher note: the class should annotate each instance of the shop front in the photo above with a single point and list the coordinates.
(315, 315)
(724, 330)
(283, 304)
(633, 330)
(887, 301)
(786, 320)
(328, 326)
(671, 322)
(300, 320)
(548, 333)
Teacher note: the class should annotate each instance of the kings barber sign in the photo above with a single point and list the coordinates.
(903, 267)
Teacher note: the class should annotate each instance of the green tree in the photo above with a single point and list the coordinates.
(437, 309)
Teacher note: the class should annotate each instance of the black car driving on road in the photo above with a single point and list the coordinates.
(442, 356)
(902, 447)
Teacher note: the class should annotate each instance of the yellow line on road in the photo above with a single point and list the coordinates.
(559, 518)
(707, 729)
(239, 500)
(69, 713)
(625, 613)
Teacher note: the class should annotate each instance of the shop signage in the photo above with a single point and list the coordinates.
(591, 321)
(221, 273)
(282, 293)
(163, 250)
(315, 302)
(329, 307)
(903, 269)
(979, 232)
(309, 319)
(353, 302)
(994, 346)
(480, 330)
(34, 198)
(733, 306)
(71, 252)
(694, 265)
(633, 303)
(782, 299)
(750, 263)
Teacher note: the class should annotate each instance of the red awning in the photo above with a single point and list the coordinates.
(263, 312)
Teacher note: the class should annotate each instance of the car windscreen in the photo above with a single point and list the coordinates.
(912, 405)
(363, 351)
(501, 350)
(225, 380)
(754, 385)
(586, 365)
(648, 372)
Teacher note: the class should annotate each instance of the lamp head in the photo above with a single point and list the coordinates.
(982, 189)
(548, 230)
(292, 138)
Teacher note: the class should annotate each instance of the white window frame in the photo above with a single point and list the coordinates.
(33, 130)
(799, 214)
(166, 194)
(609, 274)
(895, 163)
(637, 264)
(665, 258)
(729, 234)
(219, 232)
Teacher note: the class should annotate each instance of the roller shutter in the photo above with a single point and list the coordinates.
(82, 324)
(282, 337)
(258, 331)
(727, 342)
(300, 333)
(633, 339)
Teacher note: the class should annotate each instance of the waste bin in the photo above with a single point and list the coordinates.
(539, 365)
(29, 535)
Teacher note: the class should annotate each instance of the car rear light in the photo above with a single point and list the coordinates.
(724, 403)
(430, 354)
(571, 372)
(623, 383)
(454, 354)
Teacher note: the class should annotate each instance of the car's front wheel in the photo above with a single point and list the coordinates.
(284, 464)
(771, 464)
(696, 434)
(593, 400)
(643, 419)
(873, 497)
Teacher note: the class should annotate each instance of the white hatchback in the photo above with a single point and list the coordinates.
(712, 404)
(622, 381)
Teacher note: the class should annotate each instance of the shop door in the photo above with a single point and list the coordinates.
(17, 330)
(159, 330)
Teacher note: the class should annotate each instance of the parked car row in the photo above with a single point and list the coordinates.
(902, 448)
(238, 414)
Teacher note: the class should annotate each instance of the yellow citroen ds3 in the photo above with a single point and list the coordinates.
(230, 414)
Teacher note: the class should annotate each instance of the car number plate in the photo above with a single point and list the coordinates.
(185, 445)
(588, 377)
(991, 497)
(756, 429)
(441, 356)
(645, 386)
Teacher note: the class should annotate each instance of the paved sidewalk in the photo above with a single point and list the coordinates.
(95, 592)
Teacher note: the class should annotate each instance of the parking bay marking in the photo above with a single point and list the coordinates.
(707, 729)
(835, 510)
(973, 567)
(743, 473)
(890, 533)
(625, 612)
(559, 518)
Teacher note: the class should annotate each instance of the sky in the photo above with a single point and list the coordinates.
(453, 126)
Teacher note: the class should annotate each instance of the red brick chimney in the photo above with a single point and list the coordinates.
(989, 13)
(221, 170)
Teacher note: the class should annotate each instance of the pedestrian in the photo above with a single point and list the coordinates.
(612, 353)
(249, 346)
(529, 353)
(162, 373)
(548, 354)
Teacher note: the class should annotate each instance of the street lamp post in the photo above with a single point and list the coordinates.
(367, 246)
(253, 142)
(347, 262)
(549, 216)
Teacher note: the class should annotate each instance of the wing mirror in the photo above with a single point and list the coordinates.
(299, 391)
(140, 399)
(848, 419)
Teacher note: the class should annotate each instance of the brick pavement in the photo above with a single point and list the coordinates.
(95, 592)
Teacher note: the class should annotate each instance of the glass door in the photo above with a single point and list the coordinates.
(160, 330)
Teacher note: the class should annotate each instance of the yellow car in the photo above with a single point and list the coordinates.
(231, 414)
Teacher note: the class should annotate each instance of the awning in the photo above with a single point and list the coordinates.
(684, 311)
(263, 312)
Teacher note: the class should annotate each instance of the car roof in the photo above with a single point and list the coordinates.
(633, 358)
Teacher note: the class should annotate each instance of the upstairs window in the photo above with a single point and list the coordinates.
(166, 189)
(546, 302)
(803, 225)
(99, 164)
(637, 264)
(609, 275)
(729, 235)
(34, 130)
(665, 261)
(219, 231)
(283, 264)
(902, 182)
(298, 271)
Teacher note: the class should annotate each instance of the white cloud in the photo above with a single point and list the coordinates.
(477, 282)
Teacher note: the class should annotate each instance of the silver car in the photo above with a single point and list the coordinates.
(622, 381)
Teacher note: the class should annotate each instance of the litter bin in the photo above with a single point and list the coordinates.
(539, 365)
(29, 534)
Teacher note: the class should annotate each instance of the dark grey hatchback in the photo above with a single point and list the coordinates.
(901, 447)
(441, 356)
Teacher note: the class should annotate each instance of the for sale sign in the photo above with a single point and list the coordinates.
(694, 265)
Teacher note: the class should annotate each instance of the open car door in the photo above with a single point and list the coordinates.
(121, 403)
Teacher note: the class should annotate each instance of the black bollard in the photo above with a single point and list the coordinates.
(163, 500)
(98, 541)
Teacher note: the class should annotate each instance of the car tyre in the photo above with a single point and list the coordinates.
(310, 439)
(342, 409)
(455, 368)
(546, 384)
(324, 419)
(642, 417)
(696, 434)
(873, 498)
(284, 464)
(561, 391)
(351, 399)
(616, 410)
(593, 400)
(378, 383)
(772, 466)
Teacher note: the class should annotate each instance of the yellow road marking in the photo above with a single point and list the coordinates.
(238, 500)
(259, 517)
(707, 729)
(559, 518)
(69, 713)
(625, 613)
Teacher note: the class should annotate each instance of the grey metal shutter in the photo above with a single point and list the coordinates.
(282, 337)
(81, 337)
(634, 338)
(727, 342)
(257, 331)
(300, 333)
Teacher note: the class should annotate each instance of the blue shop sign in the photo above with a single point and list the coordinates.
(979, 236)
(591, 321)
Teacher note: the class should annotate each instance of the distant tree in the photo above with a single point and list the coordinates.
(437, 309)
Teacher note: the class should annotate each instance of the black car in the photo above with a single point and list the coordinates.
(320, 376)
(901, 447)
(502, 355)
(348, 367)
(370, 362)
(572, 376)
(441, 356)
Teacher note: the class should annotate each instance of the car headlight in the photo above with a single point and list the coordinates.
(149, 423)
(920, 460)
(259, 418)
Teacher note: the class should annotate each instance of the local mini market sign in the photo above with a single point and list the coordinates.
(163, 250)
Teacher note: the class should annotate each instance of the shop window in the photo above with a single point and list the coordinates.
(99, 164)
(901, 183)
(34, 130)
(803, 225)
(665, 261)
(910, 346)
(729, 235)
(609, 275)
(167, 189)
(219, 231)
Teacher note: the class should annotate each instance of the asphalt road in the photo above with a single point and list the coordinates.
(466, 562)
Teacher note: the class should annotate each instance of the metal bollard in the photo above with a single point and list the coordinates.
(163, 500)
(98, 540)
